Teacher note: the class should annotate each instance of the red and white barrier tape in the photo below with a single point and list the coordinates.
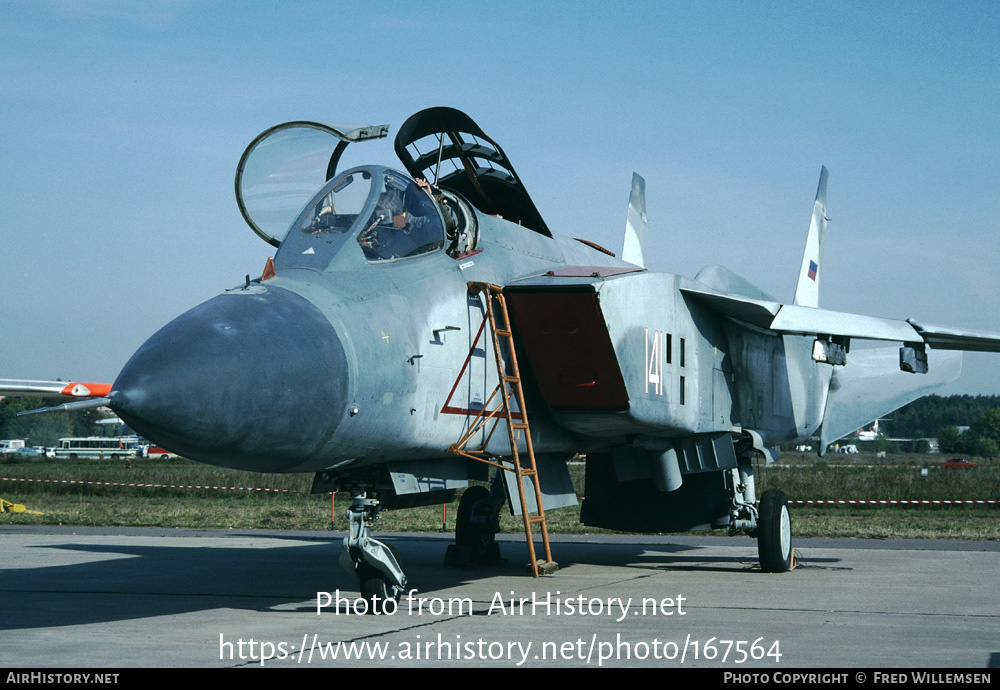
(148, 486)
(293, 491)
(891, 502)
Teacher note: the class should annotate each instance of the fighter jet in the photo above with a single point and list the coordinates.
(422, 327)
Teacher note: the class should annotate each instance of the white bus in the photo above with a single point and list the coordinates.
(97, 447)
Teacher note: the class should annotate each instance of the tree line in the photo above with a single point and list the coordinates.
(941, 416)
(923, 418)
(44, 429)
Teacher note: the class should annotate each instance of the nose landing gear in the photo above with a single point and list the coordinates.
(374, 563)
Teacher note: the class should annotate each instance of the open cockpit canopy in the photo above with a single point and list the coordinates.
(446, 147)
(284, 167)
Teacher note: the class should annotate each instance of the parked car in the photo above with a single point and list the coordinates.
(958, 462)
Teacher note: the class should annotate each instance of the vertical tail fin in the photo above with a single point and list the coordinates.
(636, 247)
(807, 289)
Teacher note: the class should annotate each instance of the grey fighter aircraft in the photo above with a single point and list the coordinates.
(408, 314)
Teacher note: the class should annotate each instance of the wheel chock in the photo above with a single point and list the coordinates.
(544, 568)
(795, 562)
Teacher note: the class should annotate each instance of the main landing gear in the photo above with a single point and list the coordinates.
(768, 522)
(774, 533)
(476, 527)
(374, 564)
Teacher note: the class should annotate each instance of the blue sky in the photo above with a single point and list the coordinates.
(123, 122)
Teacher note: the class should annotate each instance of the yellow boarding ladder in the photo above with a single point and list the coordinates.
(509, 385)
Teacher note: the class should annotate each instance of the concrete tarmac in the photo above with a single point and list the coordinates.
(113, 598)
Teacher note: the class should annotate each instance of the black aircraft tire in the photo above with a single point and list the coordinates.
(774, 532)
(474, 541)
(375, 589)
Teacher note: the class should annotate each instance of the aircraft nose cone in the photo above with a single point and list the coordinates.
(248, 379)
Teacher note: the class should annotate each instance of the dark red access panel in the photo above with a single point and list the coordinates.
(566, 341)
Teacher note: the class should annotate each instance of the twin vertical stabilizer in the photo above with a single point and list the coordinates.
(636, 248)
(807, 289)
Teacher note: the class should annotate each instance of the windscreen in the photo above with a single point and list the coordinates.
(374, 213)
(329, 222)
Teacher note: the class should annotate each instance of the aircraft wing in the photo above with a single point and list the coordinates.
(873, 383)
(791, 319)
(944, 338)
(794, 320)
(90, 394)
(49, 389)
